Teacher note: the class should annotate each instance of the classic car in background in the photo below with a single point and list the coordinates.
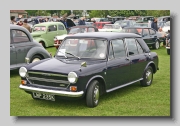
(142, 25)
(89, 65)
(23, 49)
(145, 19)
(164, 18)
(74, 30)
(125, 23)
(149, 35)
(111, 28)
(161, 24)
(166, 27)
(44, 33)
(100, 25)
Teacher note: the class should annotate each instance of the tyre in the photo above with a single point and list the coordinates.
(36, 58)
(42, 43)
(156, 45)
(168, 51)
(147, 77)
(92, 95)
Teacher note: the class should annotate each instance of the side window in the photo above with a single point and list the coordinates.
(91, 30)
(152, 32)
(52, 28)
(19, 36)
(131, 45)
(118, 48)
(139, 48)
(145, 19)
(60, 27)
(145, 32)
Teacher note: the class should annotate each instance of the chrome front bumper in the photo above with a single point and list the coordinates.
(54, 92)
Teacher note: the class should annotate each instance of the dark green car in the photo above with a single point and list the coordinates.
(23, 49)
(44, 33)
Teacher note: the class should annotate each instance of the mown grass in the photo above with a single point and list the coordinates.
(132, 100)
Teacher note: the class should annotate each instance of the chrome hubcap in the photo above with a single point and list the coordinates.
(35, 59)
(157, 45)
(96, 94)
(148, 76)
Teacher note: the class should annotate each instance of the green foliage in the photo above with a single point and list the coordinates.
(77, 12)
(102, 13)
(158, 13)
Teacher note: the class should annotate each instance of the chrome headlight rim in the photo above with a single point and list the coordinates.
(72, 77)
(22, 71)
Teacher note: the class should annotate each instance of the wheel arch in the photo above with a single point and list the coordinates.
(102, 83)
(152, 64)
(37, 51)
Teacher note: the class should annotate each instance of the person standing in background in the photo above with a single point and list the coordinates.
(82, 21)
(154, 24)
(13, 20)
(25, 25)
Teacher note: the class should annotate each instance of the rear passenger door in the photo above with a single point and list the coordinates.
(118, 66)
(137, 59)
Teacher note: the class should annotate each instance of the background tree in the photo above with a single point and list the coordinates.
(77, 12)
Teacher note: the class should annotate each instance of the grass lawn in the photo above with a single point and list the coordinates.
(132, 100)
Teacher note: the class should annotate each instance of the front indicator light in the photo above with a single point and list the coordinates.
(73, 88)
(23, 82)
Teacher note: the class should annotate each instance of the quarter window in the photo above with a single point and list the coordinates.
(152, 32)
(52, 28)
(131, 45)
(139, 48)
(91, 30)
(19, 36)
(60, 27)
(145, 32)
(118, 48)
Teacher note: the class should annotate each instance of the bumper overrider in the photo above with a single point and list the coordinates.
(54, 92)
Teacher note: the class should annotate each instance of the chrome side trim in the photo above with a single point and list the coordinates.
(124, 85)
(48, 80)
(53, 92)
(50, 74)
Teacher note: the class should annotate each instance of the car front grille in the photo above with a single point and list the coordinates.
(48, 79)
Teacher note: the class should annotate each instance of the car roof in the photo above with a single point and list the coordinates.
(82, 26)
(12, 26)
(136, 27)
(163, 16)
(104, 35)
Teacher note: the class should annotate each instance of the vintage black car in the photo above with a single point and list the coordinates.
(89, 65)
(150, 36)
(23, 49)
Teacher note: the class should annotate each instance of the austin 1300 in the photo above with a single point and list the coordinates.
(89, 65)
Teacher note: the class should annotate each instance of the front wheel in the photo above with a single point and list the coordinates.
(156, 45)
(147, 77)
(92, 96)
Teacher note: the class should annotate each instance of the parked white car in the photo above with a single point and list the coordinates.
(166, 27)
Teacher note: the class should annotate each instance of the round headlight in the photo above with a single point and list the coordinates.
(22, 71)
(72, 77)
